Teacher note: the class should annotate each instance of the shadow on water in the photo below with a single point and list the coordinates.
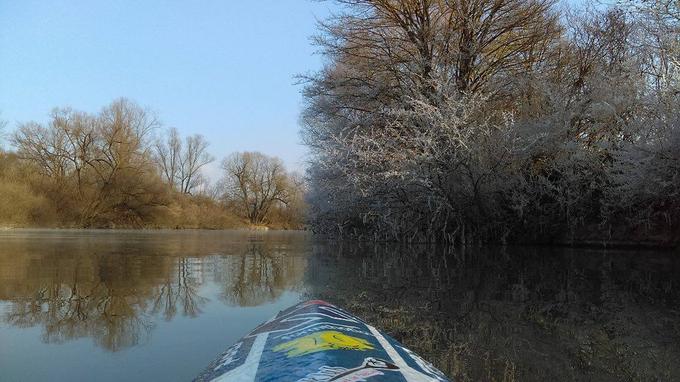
(515, 313)
(114, 287)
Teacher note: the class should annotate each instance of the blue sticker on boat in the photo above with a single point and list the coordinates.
(315, 341)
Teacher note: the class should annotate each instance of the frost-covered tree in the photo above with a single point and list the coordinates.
(486, 120)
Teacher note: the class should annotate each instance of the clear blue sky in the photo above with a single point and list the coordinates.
(221, 68)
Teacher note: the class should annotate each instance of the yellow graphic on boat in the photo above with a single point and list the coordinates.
(322, 341)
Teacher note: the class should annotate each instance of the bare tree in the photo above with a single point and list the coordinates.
(180, 162)
(100, 161)
(659, 21)
(167, 154)
(3, 124)
(194, 158)
(256, 182)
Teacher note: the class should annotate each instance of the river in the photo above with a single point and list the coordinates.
(160, 305)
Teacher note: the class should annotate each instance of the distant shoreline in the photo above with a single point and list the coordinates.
(665, 245)
(244, 228)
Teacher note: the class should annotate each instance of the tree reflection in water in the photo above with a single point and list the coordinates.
(259, 274)
(180, 288)
(113, 287)
(515, 314)
(478, 314)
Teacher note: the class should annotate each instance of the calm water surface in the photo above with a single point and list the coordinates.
(160, 305)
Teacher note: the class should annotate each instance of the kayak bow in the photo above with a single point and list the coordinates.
(315, 341)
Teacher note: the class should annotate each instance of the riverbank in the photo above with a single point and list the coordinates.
(244, 227)
(138, 197)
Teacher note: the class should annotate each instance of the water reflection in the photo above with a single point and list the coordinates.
(515, 314)
(258, 274)
(113, 287)
(478, 314)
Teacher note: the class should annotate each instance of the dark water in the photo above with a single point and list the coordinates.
(115, 305)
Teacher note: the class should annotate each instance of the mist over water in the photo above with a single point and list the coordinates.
(152, 305)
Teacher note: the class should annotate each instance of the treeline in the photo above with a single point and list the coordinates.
(119, 168)
(497, 120)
